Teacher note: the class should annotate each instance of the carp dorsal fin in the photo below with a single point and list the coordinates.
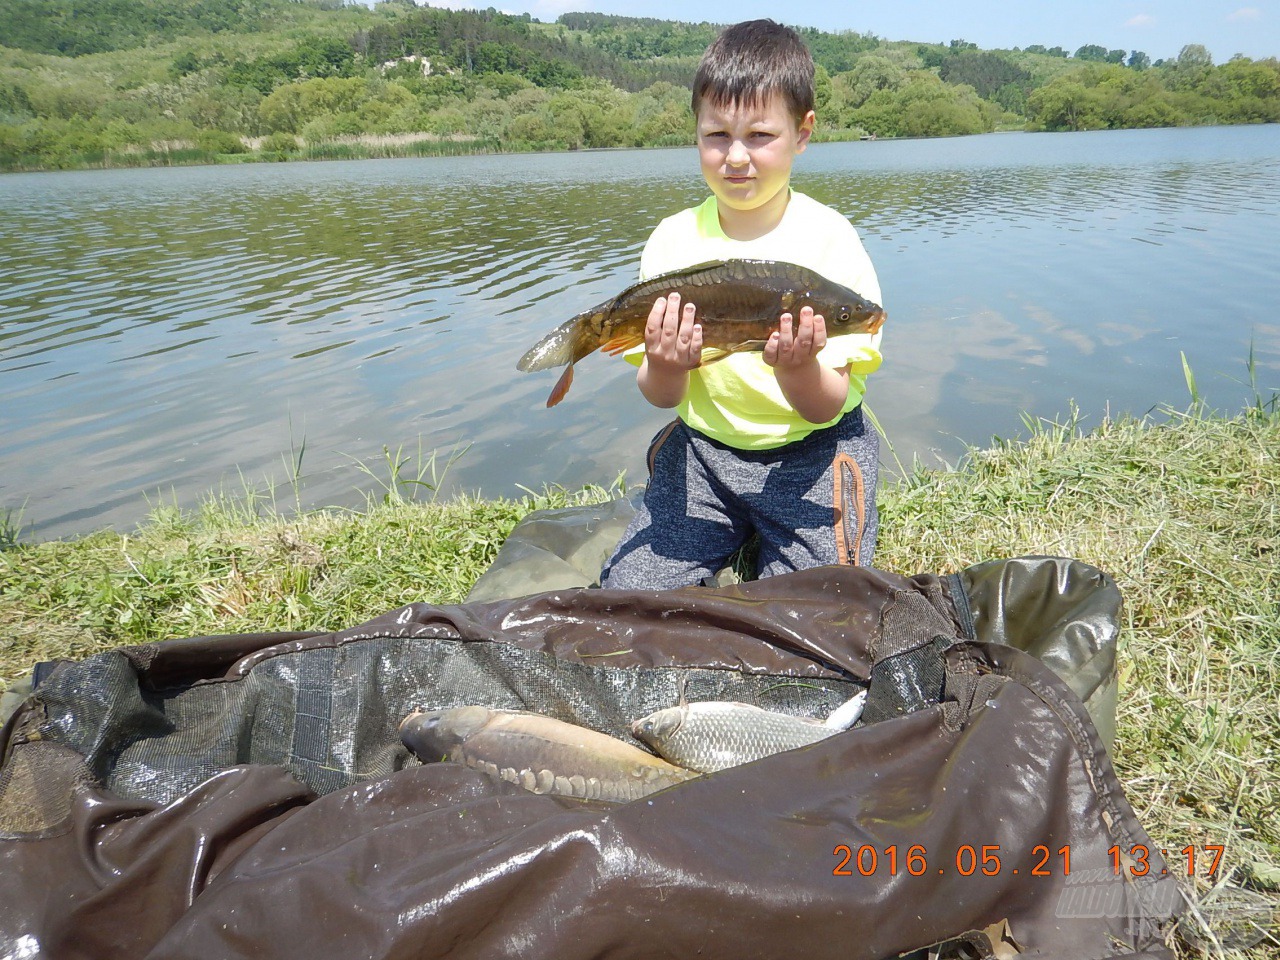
(561, 387)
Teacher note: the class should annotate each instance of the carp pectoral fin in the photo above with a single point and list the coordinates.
(713, 354)
(561, 387)
(618, 345)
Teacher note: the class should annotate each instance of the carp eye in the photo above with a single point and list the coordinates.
(844, 314)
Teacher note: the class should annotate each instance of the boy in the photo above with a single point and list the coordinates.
(772, 442)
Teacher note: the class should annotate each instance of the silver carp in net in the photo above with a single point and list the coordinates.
(715, 735)
(539, 753)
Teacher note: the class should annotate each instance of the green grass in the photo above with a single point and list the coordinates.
(1184, 512)
(228, 568)
(1185, 515)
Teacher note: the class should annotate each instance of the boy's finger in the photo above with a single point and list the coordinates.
(804, 330)
(653, 326)
(771, 349)
(671, 318)
(684, 331)
(819, 332)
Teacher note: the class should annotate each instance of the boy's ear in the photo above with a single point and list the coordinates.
(805, 131)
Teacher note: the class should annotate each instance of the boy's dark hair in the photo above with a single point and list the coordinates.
(751, 61)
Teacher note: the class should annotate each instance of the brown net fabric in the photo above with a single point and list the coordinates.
(248, 797)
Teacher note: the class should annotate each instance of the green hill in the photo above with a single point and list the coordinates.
(115, 82)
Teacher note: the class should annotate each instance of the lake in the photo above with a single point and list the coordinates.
(170, 332)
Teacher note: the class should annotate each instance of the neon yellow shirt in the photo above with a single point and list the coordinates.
(737, 400)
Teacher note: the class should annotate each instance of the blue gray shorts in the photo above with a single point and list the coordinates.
(812, 502)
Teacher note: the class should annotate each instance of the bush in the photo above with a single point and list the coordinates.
(219, 141)
(280, 143)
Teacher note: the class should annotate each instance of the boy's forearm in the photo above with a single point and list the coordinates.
(816, 392)
(662, 386)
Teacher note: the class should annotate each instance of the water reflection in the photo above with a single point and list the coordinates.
(173, 330)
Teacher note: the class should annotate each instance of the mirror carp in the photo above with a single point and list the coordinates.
(539, 753)
(739, 303)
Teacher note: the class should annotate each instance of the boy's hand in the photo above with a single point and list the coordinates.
(816, 392)
(672, 337)
(672, 347)
(795, 345)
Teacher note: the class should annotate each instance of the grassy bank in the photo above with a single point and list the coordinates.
(1184, 513)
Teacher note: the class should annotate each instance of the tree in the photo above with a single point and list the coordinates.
(14, 102)
(822, 91)
(986, 72)
(1139, 60)
(1092, 53)
(871, 74)
(1194, 56)
(1246, 91)
(1190, 68)
(1065, 105)
(925, 106)
(310, 57)
(335, 105)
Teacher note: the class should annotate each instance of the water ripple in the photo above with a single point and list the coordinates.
(177, 329)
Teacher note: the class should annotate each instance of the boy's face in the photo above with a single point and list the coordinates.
(747, 150)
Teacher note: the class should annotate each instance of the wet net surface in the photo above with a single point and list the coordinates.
(330, 715)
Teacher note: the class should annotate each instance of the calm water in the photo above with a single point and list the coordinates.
(166, 333)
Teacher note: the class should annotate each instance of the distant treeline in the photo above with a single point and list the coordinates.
(112, 82)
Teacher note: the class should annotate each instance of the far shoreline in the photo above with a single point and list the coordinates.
(440, 147)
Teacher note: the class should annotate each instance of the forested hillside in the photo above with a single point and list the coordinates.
(113, 82)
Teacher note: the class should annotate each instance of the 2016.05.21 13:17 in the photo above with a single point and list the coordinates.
(968, 859)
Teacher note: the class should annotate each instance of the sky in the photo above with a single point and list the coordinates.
(1159, 28)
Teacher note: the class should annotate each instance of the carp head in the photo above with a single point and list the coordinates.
(857, 316)
(659, 727)
(436, 733)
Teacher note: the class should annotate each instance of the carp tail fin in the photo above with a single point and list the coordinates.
(561, 345)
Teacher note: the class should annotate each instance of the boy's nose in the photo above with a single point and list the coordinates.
(738, 155)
